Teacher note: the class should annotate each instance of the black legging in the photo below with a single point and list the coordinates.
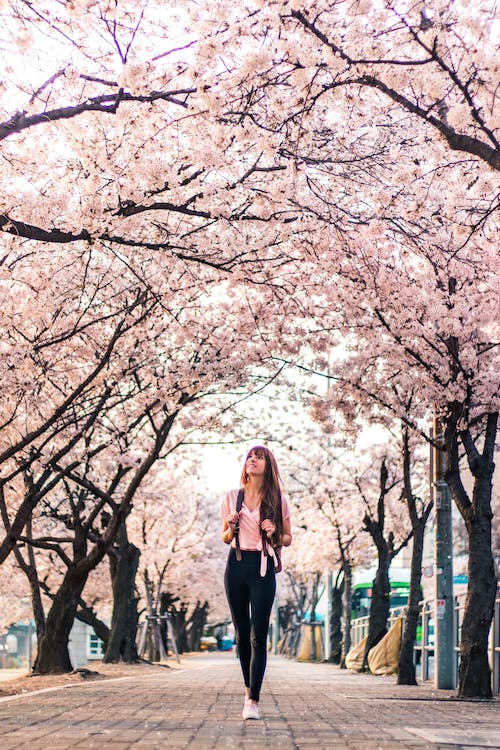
(250, 598)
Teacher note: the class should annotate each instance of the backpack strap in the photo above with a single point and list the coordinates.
(239, 503)
(239, 500)
(277, 550)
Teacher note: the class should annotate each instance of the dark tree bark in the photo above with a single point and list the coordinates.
(379, 606)
(123, 565)
(346, 611)
(286, 615)
(178, 620)
(84, 613)
(386, 551)
(53, 653)
(380, 603)
(197, 623)
(406, 666)
(336, 623)
(475, 672)
(179, 626)
(105, 102)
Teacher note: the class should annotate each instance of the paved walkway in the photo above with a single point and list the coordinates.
(198, 708)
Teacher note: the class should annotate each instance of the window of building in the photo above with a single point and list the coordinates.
(95, 647)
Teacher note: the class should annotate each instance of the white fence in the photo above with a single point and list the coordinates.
(424, 647)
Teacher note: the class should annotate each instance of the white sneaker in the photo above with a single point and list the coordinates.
(245, 706)
(251, 711)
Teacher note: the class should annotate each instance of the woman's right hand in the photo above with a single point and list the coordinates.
(230, 526)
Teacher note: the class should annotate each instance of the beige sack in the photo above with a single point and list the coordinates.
(384, 657)
(354, 659)
(305, 650)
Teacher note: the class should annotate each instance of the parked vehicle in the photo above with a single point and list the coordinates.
(362, 590)
(208, 643)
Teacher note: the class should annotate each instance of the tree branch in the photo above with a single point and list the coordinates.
(456, 141)
(107, 103)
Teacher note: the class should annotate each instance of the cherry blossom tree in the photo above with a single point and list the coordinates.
(419, 93)
(340, 156)
(178, 533)
(357, 494)
(323, 493)
(410, 469)
(441, 381)
(154, 374)
(107, 98)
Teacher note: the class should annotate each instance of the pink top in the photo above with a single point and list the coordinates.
(249, 533)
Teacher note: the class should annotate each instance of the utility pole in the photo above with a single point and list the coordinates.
(328, 616)
(444, 656)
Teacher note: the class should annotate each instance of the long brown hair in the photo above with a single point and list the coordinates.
(270, 506)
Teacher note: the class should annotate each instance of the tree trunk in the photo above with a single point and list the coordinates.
(474, 671)
(380, 600)
(336, 625)
(286, 615)
(347, 612)
(179, 627)
(122, 637)
(380, 603)
(53, 654)
(406, 668)
(198, 621)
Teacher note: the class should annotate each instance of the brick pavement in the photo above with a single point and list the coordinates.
(198, 708)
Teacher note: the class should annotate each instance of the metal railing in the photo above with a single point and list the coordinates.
(359, 626)
(424, 647)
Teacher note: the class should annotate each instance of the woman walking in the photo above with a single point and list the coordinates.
(256, 523)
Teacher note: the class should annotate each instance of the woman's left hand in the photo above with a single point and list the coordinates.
(268, 527)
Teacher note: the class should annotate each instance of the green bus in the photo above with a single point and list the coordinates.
(399, 579)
